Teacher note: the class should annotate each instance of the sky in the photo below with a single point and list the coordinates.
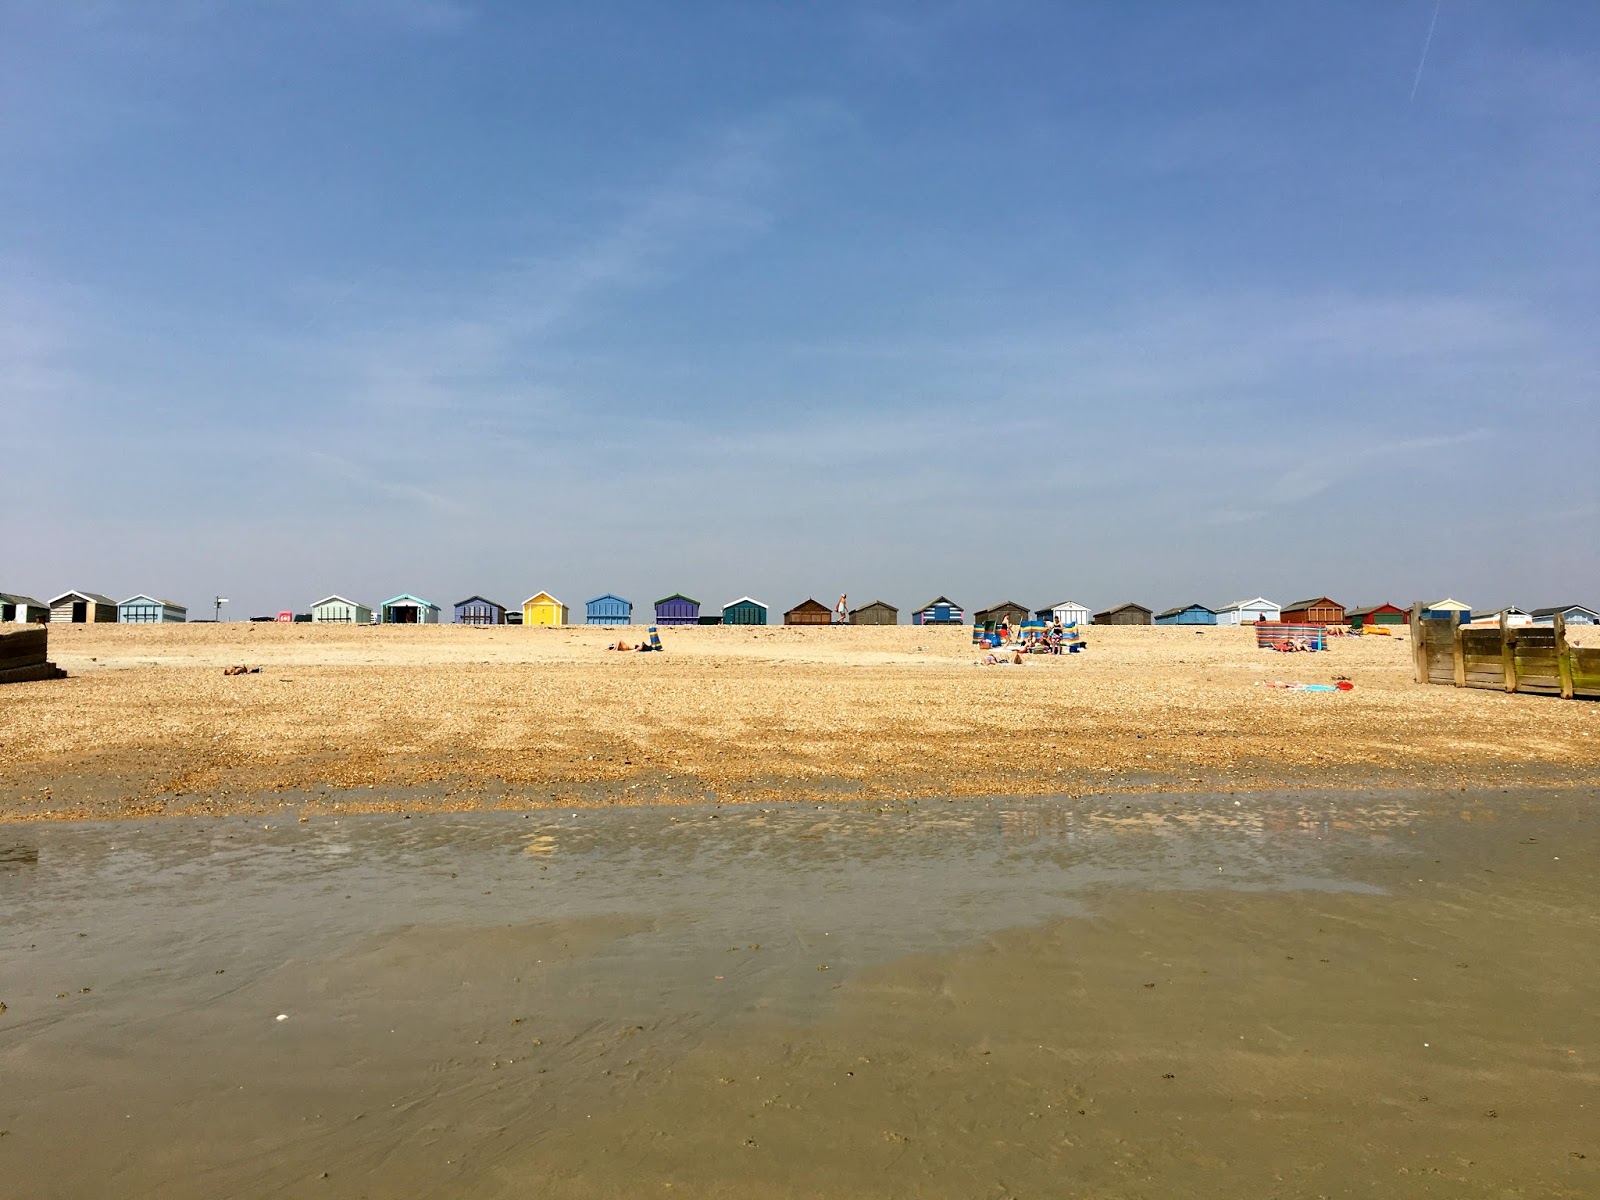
(1105, 301)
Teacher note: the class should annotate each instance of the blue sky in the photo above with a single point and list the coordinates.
(1108, 301)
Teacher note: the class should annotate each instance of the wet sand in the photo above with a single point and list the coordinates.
(1118, 996)
(349, 719)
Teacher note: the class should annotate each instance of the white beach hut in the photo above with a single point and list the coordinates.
(1067, 612)
(1248, 612)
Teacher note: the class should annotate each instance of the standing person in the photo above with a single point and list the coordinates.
(841, 612)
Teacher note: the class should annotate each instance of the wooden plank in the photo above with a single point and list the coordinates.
(32, 674)
(22, 643)
(1460, 657)
(1419, 652)
(1508, 652)
(1585, 669)
(1563, 656)
(21, 661)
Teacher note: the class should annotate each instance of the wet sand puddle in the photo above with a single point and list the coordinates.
(1131, 996)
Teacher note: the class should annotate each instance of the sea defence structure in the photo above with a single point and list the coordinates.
(1504, 657)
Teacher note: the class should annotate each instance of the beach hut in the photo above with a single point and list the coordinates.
(147, 610)
(337, 610)
(82, 608)
(809, 612)
(22, 610)
(1321, 611)
(1447, 610)
(475, 610)
(1009, 611)
(1514, 616)
(406, 609)
(1067, 612)
(1187, 614)
(1248, 612)
(939, 611)
(543, 609)
(744, 611)
(876, 613)
(1572, 614)
(1124, 614)
(1378, 614)
(678, 609)
(608, 609)
(708, 619)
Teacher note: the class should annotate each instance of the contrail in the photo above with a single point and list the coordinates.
(1426, 42)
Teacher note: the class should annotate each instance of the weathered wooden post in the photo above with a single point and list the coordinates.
(1458, 651)
(1419, 651)
(1508, 653)
(1563, 657)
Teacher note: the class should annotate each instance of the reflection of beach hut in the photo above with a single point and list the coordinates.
(1447, 610)
(1068, 612)
(147, 610)
(23, 610)
(1248, 612)
(1124, 614)
(608, 610)
(1321, 611)
(406, 609)
(336, 610)
(543, 609)
(678, 609)
(809, 612)
(876, 613)
(939, 611)
(1008, 611)
(1377, 614)
(744, 611)
(82, 608)
(1572, 614)
(1187, 614)
(475, 610)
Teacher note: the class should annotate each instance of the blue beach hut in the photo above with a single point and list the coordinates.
(1189, 614)
(608, 610)
(475, 610)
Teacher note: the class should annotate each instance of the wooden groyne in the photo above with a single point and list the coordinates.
(1504, 657)
(25, 657)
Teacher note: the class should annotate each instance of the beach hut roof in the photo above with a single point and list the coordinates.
(9, 598)
(677, 596)
(1563, 608)
(744, 600)
(541, 596)
(340, 599)
(1448, 606)
(937, 600)
(875, 604)
(153, 600)
(1183, 608)
(1247, 603)
(98, 599)
(404, 596)
(480, 600)
(611, 596)
(1068, 604)
(1119, 607)
(1006, 604)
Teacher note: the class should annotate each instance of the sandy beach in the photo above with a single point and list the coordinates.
(454, 718)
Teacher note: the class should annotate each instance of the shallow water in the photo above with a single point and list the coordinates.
(1122, 996)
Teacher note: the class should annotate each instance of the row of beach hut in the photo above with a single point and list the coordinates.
(678, 609)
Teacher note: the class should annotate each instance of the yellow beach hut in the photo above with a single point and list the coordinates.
(543, 609)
